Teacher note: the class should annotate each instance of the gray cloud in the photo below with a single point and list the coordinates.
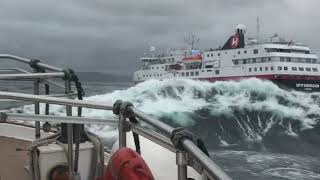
(110, 35)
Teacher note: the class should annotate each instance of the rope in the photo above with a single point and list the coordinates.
(124, 107)
(34, 64)
(180, 133)
(71, 76)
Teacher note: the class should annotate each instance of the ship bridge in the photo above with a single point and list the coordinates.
(286, 48)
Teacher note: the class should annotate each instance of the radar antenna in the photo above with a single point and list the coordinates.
(191, 40)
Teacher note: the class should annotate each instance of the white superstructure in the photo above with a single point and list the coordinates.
(276, 60)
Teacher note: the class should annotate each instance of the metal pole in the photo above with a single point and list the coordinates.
(31, 76)
(54, 100)
(122, 131)
(181, 159)
(153, 121)
(27, 61)
(36, 91)
(69, 132)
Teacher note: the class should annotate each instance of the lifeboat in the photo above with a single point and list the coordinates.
(175, 66)
(192, 58)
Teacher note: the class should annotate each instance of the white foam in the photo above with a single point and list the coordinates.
(176, 98)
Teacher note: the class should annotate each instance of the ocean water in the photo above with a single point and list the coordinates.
(253, 129)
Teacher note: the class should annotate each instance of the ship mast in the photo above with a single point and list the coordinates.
(258, 29)
(191, 40)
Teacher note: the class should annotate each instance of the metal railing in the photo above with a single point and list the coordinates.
(208, 167)
(189, 155)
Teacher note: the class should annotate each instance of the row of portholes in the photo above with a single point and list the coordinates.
(150, 75)
(183, 74)
(255, 51)
(285, 68)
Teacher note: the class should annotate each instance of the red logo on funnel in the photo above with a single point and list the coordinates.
(235, 41)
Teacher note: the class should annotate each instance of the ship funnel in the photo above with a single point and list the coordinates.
(236, 40)
(241, 29)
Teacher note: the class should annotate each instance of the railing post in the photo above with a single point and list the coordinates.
(122, 130)
(36, 91)
(69, 132)
(181, 160)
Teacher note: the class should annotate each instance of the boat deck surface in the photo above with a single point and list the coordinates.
(13, 162)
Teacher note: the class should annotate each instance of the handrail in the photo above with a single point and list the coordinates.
(53, 100)
(41, 72)
(210, 168)
(31, 76)
(57, 119)
(27, 61)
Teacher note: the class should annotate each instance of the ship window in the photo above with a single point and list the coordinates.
(314, 61)
(151, 67)
(245, 51)
(254, 60)
(202, 70)
(271, 68)
(191, 73)
(250, 69)
(238, 52)
(279, 68)
(211, 55)
(255, 69)
(269, 58)
(217, 72)
(308, 69)
(244, 61)
(301, 69)
(285, 68)
(226, 52)
(255, 51)
(266, 68)
(209, 70)
(281, 59)
(263, 60)
(208, 55)
(308, 60)
(218, 54)
(182, 74)
(187, 73)
(157, 67)
(235, 61)
(314, 69)
(260, 68)
(288, 59)
(160, 74)
(197, 73)
(294, 68)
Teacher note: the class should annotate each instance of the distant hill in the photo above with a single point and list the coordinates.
(102, 77)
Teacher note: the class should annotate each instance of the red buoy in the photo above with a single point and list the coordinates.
(126, 164)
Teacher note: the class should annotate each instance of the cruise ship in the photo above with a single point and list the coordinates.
(288, 64)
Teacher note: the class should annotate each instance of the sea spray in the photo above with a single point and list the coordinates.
(248, 114)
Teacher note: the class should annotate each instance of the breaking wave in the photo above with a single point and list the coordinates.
(251, 114)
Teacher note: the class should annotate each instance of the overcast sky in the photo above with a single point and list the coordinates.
(111, 35)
